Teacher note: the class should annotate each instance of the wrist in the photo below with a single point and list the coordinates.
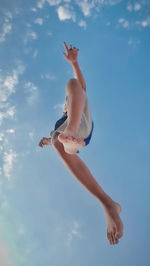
(74, 63)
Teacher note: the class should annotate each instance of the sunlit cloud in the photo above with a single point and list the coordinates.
(35, 53)
(11, 131)
(9, 158)
(8, 85)
(31, 135)
(124, 23)
(65, 12)
(129, 7)
(38, 21)
(32, 92)
(85, 6)
(6, 26)
(41, 3)
(30, 35)
(146, 22)
(137, 7)
(48, 76)
(73, 233)
(8, 112)
(82, 23)
(33, 9)
(58, 106)
(133, 42)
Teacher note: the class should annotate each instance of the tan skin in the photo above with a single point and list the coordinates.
(71, 56)
(78, 168)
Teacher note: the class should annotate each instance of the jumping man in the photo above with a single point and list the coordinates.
(73, 131)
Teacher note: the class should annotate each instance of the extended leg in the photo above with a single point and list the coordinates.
(79, 170)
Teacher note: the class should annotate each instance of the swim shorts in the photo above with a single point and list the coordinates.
(86, 125)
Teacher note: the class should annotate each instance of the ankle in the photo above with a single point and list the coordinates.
(106, 201)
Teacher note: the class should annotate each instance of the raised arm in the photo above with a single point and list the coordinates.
(72, 58)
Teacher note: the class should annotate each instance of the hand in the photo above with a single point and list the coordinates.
(71, 53)
(45, 141)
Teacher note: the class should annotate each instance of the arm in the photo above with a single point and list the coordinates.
(72, 58)
(78, 74)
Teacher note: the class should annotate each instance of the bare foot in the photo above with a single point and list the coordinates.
(71, 143)
(115, 225)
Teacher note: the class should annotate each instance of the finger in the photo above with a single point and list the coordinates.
(65, 56)
(66, 48)
(40, 144)
(70, 46)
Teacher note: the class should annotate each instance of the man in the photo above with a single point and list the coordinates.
(73, 131)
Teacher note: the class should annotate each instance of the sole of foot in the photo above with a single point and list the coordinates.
(71, 144)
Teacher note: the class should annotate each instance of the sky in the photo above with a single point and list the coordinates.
(46, 216)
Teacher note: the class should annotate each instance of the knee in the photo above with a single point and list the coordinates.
(57, 144)
(72, 83)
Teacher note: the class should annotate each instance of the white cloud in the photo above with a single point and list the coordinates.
(48, 76)
(33, 9)
(82, 23)
(123, 22)
(74, 233)
(8, 113)
(10, 131)
(54, 2)
(31, 136)
(137, 7)
(60, 105)
(1, 136)
(9, 158)
(30, 35)
(129, 7)
(145, 22)
(85, 6)
(41, 3)
(133, 42)
(38, 21)
(7, 88)
(7, 26)
(111, 2)
(32, 92)
(65, 12)
(35, 53)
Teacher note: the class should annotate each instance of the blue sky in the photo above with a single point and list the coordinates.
(46, 216)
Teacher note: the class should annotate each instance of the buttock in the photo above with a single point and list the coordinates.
(59, 128)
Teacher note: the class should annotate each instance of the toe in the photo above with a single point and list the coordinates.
(118, 235)
(112, 238)
(109, 238)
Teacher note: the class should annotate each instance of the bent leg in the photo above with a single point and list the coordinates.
(81, 172)
(75, 104)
